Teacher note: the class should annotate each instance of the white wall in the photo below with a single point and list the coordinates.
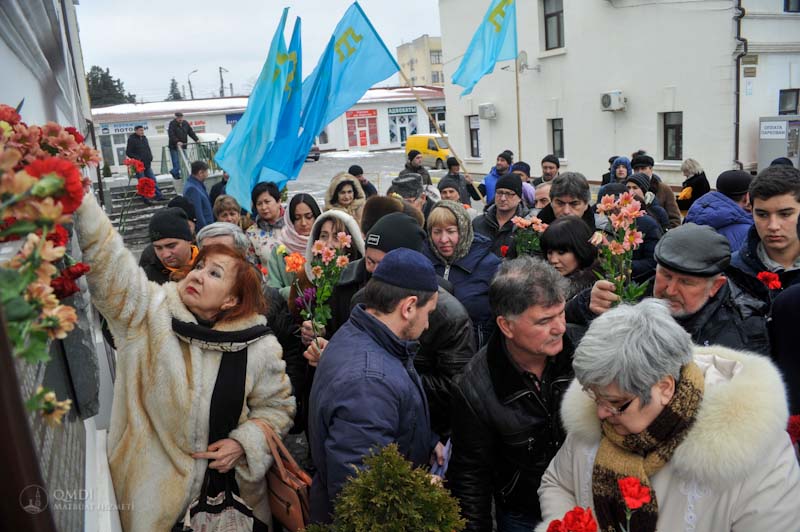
(665, 57)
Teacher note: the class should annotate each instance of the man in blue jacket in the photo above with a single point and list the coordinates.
(195, 192)
(502, 167)
(727, 208)
(366, 392)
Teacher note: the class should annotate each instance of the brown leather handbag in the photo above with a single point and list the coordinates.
(287, 483)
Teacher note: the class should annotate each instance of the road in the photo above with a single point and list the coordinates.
(379, 167)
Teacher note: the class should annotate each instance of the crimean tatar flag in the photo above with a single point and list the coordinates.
(494, 40)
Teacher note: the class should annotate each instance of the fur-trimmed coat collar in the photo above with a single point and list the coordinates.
(743, 411)
(359, 198)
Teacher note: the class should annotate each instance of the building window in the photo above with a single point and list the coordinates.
(438, 114)
(436, 77)
(788, 101)
(436, 57)
(553, 24)
(323, 136)
(474, 125)
(557, 137)
(791, 6)
(673, 136)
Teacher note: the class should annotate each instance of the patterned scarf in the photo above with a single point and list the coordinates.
(643, 455)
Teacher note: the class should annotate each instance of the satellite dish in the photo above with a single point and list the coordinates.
(522, 61)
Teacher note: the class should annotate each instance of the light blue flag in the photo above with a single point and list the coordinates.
(290, 150)
(494, 40)
(361, 60)
(242, 152)
(278, 162)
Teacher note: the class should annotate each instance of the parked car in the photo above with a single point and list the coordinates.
(434, 149)
(313, 153)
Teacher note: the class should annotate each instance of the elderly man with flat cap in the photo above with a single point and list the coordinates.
(411, 189)
(691, 261)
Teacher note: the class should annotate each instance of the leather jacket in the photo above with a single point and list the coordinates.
(505, 431)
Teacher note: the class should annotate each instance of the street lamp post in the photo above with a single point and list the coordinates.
(222, 83)
(189, 79)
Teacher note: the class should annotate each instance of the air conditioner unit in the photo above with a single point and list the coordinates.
(613, 101)
(487, 111)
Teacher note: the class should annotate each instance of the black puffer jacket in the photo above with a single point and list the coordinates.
(726, 319)
(487, 225)
(139, 148)
(505, 432)
(445, 348)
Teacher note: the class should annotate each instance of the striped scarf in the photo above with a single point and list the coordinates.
(643, 455)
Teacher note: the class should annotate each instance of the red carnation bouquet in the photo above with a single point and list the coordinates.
(771, 280)
(576, 520)
(41, 185)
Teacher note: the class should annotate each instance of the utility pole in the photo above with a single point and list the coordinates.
(221, 83)
(183, 91)
(189, 79)
(231, 93)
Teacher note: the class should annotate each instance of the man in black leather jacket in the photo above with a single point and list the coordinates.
(506, 421)
(445, 347)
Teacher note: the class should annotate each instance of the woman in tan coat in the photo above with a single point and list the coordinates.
(172, 341)
(345, 194)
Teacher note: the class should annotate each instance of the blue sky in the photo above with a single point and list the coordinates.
(147, 42)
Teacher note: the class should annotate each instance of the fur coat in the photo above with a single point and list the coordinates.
(359, 198)
(735, 471)
(163, 388)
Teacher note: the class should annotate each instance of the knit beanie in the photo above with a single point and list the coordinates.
(734, 182)
(355, 170)
(409, 269)
(641, 180)
(170, 223)
(520, 166)
(448, 182)
(185, 205)
(451, 162)
(511, 182)
(412, 154)
(396, 230)
(506, 157)
(551, 159)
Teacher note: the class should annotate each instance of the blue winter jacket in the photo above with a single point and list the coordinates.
(489, 182)
(366, 395)
(195, 191)
(723, 214)
(471, 276)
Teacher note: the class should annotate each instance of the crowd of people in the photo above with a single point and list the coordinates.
(520, 372)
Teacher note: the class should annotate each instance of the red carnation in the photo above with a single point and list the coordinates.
(5, 224)
(503, 250)
(58, 236)
(580, 520)
(72, 194)
(770, 280)
(556, 526)
(75, 134)
(794, 428)
(146, 187)
(633, 492)
(64, 287)
(9, 114)
(136, 164)
(75, 271)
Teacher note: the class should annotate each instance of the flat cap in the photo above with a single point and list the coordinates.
(642, 161)
(694, 249)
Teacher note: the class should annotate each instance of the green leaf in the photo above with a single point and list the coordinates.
(36, 351)
(11, 284)
(17, 309)
(19, 228)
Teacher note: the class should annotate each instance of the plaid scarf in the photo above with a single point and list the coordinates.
(643, 455)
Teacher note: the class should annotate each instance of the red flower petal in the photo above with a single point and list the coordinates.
(72, 195)
(633, 492)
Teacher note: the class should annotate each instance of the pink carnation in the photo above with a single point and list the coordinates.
(342, 261)
(344, 239)
(328, 255)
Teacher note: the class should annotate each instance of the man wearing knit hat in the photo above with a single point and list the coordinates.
(496, 222)
(523, 170)
(171, 238)
(502, 167)
(726, 209)
(461, 183)
(638, 184)
(368, 188)
(366, 392)
(550, 167)
(690, 276)
(643, 163)
(445, 347)
(414, 166)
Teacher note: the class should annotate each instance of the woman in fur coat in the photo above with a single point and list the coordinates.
(172, 341)
(704, 428)
(345, 194)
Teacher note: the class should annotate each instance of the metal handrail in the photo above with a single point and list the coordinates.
(194, 151)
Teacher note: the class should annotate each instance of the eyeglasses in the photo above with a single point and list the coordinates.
(503, 194)
(615, 410)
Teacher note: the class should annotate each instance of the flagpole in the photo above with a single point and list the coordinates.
(519, 119)
(436, 126)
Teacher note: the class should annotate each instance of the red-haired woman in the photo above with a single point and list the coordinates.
(196, 364)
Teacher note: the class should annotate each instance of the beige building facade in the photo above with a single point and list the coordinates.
(421, 61)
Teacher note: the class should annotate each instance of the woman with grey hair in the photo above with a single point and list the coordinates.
(695, 185)
(704, 428)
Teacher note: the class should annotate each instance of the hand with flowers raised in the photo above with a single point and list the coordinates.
(314, 351)
(603, 297)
